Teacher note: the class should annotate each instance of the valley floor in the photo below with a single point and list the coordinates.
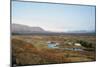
(33, 49)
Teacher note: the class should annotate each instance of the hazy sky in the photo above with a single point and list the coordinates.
(54, 17)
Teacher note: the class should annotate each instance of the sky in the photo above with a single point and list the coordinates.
(54, 17)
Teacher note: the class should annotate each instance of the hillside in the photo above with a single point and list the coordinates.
(18, 28)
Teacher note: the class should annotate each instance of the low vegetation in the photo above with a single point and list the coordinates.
(33, 49)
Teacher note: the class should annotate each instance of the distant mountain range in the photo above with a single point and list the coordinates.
(18, 28)
(82, 31)
(24, 29)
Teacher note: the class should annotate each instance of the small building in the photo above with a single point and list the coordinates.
(77, 44)
(52, 42)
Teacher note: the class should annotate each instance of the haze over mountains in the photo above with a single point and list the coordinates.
(18, 28)
(24, 29)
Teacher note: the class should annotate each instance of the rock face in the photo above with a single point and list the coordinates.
(17, 28)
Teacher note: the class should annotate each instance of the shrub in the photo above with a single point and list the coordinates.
(85, 44)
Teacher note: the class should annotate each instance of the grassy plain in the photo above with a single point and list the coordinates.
(33, 49)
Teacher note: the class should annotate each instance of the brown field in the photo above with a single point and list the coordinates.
(33, 49)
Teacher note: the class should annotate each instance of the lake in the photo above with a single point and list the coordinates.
(52, 45)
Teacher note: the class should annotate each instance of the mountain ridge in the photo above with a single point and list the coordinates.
(19, 28)
(24, 29)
